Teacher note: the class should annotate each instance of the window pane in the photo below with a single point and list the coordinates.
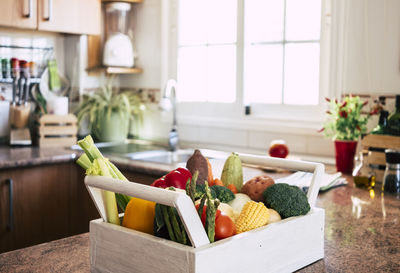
(207, 73)
(301, 74)
(263, 74)
(303, 19)
(221, 73)
(192, 68)
(191, 22)
(264, 20)
(207, 21)
(221, 17)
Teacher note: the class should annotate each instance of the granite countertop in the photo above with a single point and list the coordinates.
(362, 227)
(12, 157)
(362, 234)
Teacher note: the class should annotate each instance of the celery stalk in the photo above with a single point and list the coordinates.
(117, 172)
(100, 165)
(92, 153)
(84, 162)
(87, 144)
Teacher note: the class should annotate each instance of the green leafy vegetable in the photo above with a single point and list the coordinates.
(224, 194)
(287, 200)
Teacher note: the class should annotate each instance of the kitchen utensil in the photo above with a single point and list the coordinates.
(118, 48)
(38, 98)
(14, 91)
(44, 86)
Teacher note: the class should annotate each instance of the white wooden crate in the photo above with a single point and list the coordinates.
(284, 246)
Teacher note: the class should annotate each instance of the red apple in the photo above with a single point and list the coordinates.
(278, 148)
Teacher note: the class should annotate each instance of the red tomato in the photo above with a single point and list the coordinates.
(203, 215)
(224, 227)
(278, 148)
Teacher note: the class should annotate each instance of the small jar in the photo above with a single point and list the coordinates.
(362, 176)
(391, 178)
(15, 68)
(5, 68)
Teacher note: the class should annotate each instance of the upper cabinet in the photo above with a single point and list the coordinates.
(19, 13)
(70, 16)
(66, 16)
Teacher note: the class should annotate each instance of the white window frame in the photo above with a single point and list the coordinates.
(279, 118)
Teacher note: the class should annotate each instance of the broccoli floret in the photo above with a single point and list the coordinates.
(201, 189)
(224, 194)
(287, 200)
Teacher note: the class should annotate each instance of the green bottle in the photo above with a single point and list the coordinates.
(394, 120)
(381, 129)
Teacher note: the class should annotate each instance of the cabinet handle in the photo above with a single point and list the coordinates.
(29, 14)
(10, 225)
(49, 10)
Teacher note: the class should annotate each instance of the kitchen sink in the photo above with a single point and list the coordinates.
(162, 156)
(146, 151)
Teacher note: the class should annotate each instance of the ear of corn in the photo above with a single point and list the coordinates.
(253, 215)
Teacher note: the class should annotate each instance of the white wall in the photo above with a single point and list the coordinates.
(28, 38)
(18, 37)
(372, 47)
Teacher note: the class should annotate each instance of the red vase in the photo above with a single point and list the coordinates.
(345, 151)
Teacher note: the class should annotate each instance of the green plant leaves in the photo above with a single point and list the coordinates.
(105, 101)
(345, 119)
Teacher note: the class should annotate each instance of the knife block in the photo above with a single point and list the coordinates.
(19, 115)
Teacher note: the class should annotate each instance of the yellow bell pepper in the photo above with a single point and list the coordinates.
(139, 215)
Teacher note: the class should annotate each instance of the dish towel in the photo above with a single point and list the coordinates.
(303, 180)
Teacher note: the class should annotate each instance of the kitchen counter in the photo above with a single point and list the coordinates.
(362, 234)
(14, 157)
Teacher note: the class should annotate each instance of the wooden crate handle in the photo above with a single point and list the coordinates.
(183, 203)
(180, 201)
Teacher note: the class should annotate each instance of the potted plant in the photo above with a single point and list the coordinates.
(345, 124)
(110, 113)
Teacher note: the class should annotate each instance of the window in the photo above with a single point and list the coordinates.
(282, 51)
(207, 50)
(263, 53)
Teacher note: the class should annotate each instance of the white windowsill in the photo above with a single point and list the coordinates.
(302, 127)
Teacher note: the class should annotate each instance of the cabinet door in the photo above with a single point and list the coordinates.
(70, 16)
(40, 205)
(18, 13)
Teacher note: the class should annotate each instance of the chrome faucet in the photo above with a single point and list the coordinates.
(167, 102)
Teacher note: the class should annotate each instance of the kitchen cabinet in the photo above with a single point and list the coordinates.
(65, 16)
(19, 13)
(48, 202)
(70, 16)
